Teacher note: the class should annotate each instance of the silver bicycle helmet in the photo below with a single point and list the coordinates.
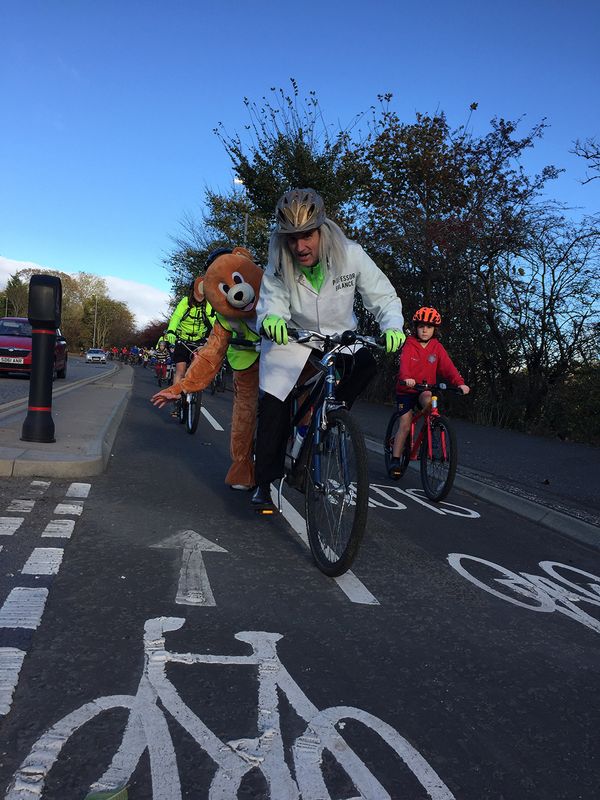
(300, 210)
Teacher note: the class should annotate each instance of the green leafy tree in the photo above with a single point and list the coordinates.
(443, 210)
(16, 296)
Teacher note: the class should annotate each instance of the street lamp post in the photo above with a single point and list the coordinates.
(240, 182)
(95, 320)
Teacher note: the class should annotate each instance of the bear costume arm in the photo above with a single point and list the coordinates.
(206, 361)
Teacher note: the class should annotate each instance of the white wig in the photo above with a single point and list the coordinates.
(332, 250)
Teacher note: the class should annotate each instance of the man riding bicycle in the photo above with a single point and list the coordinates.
(310, 282)
(188, 327)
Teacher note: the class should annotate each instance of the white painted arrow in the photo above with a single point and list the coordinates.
(194, 587)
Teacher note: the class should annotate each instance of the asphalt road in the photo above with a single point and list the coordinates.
(460, 659)
(14, 386)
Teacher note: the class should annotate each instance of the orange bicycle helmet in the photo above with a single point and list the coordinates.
(430, 316)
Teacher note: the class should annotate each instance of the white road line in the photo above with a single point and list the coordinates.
(352, 587)
(43, 561)
(211, 419)
(21, 506)
(8, 525)
(39, 487)
(11, 661)
(61, 528)
(23, 608)
(78, 490)
(70, 508)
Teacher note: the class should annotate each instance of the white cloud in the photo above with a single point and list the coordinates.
(145, 302)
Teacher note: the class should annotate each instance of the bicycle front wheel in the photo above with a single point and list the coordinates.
(194, 404)
(337, 494)
(438, 459)
(388, 444)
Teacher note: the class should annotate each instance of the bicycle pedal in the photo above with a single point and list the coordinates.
(267, 511)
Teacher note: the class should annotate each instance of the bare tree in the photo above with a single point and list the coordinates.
(551, 300)
(589, 150)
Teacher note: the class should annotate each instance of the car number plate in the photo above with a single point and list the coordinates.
(8, 360)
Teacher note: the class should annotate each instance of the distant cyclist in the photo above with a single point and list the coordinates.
(161, 356)
(311, 280)
(424, 359)
(190, 323)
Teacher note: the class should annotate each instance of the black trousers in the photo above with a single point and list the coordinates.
(274, 415)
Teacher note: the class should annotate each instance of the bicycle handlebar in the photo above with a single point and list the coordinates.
(333, 339)
(250, 344)
(434, 387)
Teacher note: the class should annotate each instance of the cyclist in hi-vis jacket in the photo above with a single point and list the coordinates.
(310, 282)
(191, 322)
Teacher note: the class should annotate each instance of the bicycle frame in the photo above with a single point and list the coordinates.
(320, 400)
(425, 414)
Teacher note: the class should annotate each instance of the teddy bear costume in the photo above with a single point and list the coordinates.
(231, 286)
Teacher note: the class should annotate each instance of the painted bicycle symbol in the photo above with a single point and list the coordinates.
(147, 729)
(563, 588)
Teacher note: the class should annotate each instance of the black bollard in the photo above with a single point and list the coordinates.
(45, 301)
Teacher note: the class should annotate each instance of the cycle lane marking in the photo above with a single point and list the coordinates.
(24, 606)
(43, 561)
(157, 699)
(9, 525)
(394, 495)
(216, 425)
(352, 587)
(539, 593)
(194, 587)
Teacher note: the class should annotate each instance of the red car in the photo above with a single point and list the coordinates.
(15, 347)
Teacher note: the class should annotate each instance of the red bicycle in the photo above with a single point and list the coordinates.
(431, 440)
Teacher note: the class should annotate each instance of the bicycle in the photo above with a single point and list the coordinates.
(189, 404)
(160, 369)
(270, 753)
(434, 444)
(218, 382)
(326, 457)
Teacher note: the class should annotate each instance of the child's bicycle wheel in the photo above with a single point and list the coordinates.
(388, 444)
(438, 462)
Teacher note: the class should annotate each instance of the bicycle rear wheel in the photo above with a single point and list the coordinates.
(438, 467)
(388, 444)
(182, 408)
(194, 404)
(337, 494)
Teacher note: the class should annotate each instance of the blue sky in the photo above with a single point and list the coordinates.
(107, 108)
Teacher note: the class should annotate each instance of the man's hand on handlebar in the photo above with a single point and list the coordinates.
(274, 328)
(394, 339)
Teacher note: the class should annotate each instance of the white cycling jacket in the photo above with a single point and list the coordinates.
(328, 311)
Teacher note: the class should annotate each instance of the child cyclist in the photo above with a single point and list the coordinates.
(423, 360)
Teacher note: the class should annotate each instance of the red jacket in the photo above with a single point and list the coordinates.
(426, 365)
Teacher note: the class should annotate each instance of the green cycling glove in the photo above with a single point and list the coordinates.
(275, 328)
(394, 339)
(170, 337)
